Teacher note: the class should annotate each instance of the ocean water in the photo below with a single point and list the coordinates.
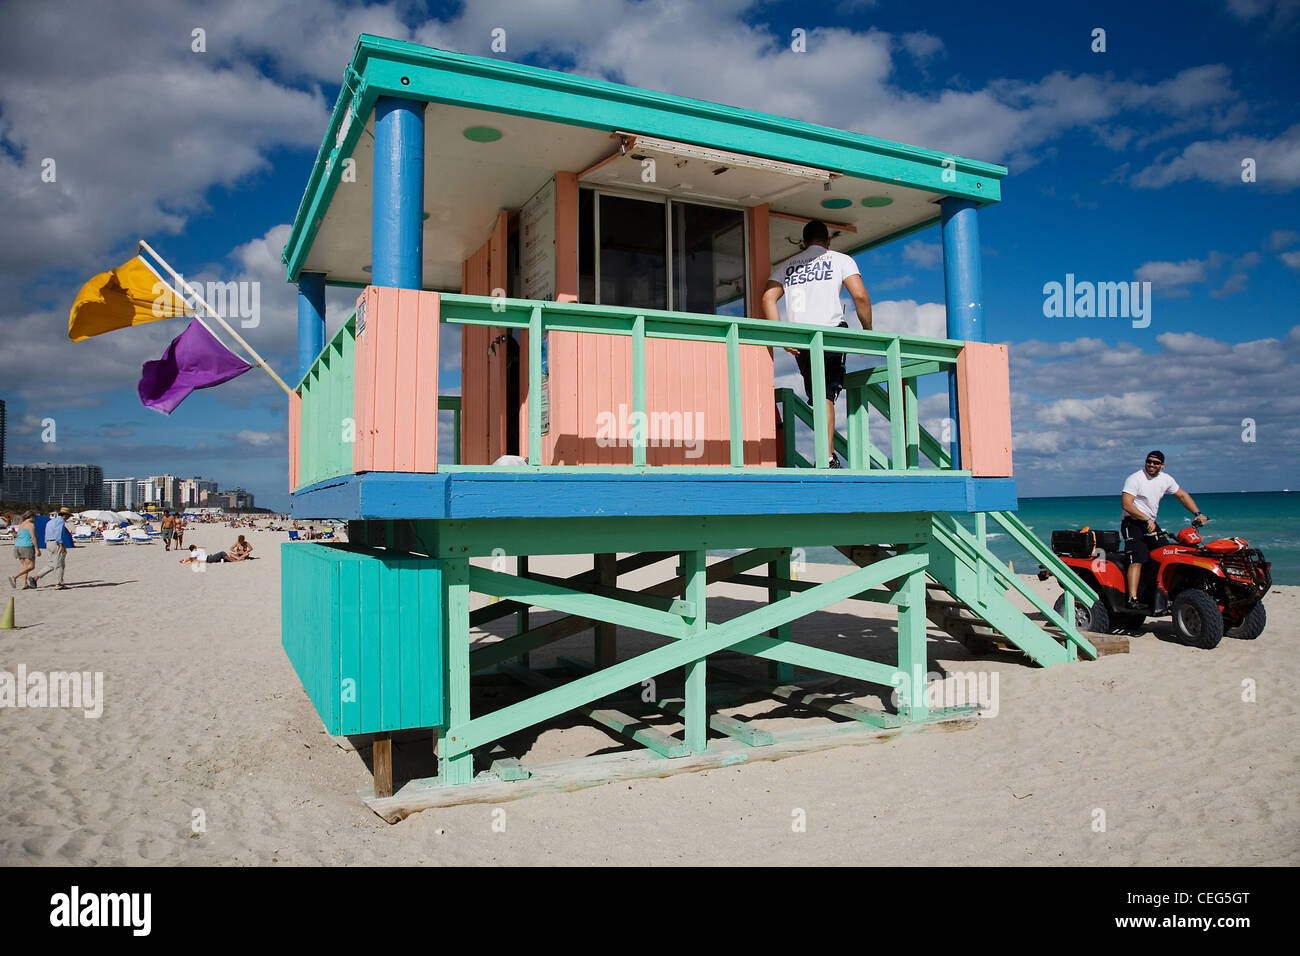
(1269, 520)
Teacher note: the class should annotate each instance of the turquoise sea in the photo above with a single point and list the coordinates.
(1269, 520)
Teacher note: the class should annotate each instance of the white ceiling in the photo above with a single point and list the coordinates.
(467, 182)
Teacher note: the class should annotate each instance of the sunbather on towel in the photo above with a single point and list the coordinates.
(198, 557)
(240, 550)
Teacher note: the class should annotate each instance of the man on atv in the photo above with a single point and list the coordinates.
(1141, 499)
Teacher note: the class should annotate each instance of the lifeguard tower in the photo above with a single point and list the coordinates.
(598, 252)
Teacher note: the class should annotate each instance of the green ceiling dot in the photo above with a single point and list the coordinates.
(877, 201)
(835, 203)
(482, 134)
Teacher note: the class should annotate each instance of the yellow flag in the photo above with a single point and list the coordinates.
(129, 295)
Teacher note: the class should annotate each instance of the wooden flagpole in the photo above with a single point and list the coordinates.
(213, 313)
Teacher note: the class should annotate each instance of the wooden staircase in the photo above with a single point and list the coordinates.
(967, 597)
(942, 608)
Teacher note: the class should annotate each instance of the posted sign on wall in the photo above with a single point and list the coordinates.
(537, 264)
(537, 244)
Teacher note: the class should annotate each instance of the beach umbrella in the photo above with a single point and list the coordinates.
(131, 515)
(100, 515)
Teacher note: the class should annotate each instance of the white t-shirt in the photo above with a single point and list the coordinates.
(812, 280)
(1147, 492)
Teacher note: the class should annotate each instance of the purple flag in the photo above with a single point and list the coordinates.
(195, 359)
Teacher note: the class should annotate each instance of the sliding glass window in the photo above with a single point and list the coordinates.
(657, 254)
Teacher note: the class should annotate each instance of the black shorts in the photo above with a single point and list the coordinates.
(1137, 543)
(834, 371)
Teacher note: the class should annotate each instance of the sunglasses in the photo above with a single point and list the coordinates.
(1152, 461)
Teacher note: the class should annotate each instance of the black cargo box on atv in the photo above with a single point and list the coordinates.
(1082, 544)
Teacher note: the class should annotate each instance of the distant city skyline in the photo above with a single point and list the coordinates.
(81, 486)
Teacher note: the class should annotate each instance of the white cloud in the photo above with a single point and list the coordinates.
(1291, 260)
(259, 439)
(921, 45)
(924, 255)
(1277, 163)
(1234, 284)
(1079, 408)
(1282, 13)
(910, 317)
(1171, 277)
(1282, 238)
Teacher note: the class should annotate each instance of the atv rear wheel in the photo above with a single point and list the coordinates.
(1198, 622)
(1095, 618)
(1252, 626)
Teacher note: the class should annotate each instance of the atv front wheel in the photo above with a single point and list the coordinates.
(1198, 621)
(1252, 626)
(1095, 618)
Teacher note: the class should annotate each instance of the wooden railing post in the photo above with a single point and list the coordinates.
(821, 440)
(735, 412)
(638, 391)
(535, 386)
(897, 423)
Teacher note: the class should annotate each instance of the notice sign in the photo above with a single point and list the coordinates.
(537, 244)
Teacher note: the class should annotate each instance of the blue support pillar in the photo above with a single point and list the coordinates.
(963, 284)
(311, 319)
(397, 217)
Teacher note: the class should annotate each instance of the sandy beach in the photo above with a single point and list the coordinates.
(204, 718)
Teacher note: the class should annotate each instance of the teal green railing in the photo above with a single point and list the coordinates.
(907, 357)
(865, 393)
(327, 424)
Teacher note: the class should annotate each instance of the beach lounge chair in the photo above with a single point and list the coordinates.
(83, 532)
(115, 536)
(140, 537)
(293, 536)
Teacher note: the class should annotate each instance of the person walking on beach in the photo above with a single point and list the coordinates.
(26, 549)
(178, 529)
(168, 529)
(810, 281)
(57, 538)
(1141, 501)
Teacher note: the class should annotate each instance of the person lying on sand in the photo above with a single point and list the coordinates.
(217, 557)
(240, 550)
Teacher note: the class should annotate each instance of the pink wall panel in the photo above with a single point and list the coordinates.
(984, 409)
(395, 385)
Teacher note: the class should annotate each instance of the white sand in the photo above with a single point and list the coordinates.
(204, 712)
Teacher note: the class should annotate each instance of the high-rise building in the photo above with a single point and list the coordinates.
(239, 498)
(119, 494)
(146, 492)
(166, 490)
(72, 486)
(191, 490)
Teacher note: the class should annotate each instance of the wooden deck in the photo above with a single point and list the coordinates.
(590, 492)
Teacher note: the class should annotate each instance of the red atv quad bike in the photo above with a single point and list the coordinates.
(1210, 589)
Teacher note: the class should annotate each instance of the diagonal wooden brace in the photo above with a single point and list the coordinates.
(489, 727)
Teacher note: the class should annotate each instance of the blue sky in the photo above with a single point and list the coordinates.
(1124, 165)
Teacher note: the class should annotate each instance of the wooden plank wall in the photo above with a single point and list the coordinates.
(396, 382)
(482, 372)
(984, 409)
(373, 622)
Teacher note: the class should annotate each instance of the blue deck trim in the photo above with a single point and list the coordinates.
(467, 495)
